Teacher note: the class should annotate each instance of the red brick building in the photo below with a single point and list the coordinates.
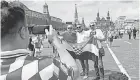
(34, 18)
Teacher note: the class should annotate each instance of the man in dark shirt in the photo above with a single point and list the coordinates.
(129, 33)
(134, 33)
(70, 37)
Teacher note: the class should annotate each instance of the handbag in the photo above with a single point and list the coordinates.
(101, 51)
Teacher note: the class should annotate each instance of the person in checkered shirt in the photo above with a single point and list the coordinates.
(16, 64)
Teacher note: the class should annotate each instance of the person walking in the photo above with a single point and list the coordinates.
(31, 47)
(129, 31)
(134, 33)
(110, 37)
(121, 33)
(38, 44)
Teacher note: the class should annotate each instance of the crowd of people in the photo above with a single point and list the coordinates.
(131, 32)
(119, 33)
(35, 45)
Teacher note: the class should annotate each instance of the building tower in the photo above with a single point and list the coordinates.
(46, 12)
(98, 16)
(83, 23)
(108, 16)
(98, 19)
(76, 17)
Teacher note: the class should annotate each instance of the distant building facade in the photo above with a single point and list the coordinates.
(104, 23)
(34, 18)
(131, 23)
(120, 22)
(123, 23)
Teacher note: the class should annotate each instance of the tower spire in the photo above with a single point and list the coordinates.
(98, 13)
(76, 16)
(108, 15)
(83, 23)
(46, 12)
(98, 16)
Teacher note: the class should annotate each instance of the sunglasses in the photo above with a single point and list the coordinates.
(69, 28)
(78, 27)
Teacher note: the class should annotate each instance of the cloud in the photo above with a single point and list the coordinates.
(88, 3)
(87, 9)
(128, 1)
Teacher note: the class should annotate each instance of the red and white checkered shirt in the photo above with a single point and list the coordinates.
(21, 66)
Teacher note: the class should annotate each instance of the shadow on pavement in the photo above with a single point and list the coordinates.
(115, 46)
(107, 73)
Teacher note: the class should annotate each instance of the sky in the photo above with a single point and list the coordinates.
(87, 9)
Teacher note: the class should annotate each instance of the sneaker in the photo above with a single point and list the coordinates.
(85, 77)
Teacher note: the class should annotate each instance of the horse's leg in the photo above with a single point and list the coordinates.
(95, 60)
